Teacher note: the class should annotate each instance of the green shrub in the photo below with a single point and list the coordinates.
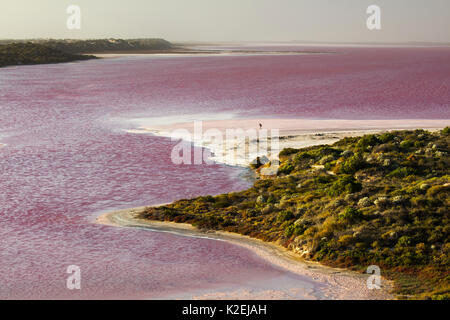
(206, 199)
(222, 201)
(350, 214)
(288, 151)
(346, 239)
(386, 137)
(446, 131)
(404, 241)
(329, 165)
(344, 184)
(445, 296)
(285, 168)
(401, 172)
(293, 229)
(366, 141)
(353, 164)
(284, 216)
(406, 144)
(323, 179)
(435, 190)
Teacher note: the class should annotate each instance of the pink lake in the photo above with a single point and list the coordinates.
(67, 157)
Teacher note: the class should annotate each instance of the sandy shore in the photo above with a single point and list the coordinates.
(298, 125)
(323, 282)
(197, 52)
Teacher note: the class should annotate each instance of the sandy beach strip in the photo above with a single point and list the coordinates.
(298, 125)
(333, 283)
(204, 53)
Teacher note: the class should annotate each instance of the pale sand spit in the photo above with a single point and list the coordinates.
(325, 282)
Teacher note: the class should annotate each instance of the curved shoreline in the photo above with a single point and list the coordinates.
(336, 283)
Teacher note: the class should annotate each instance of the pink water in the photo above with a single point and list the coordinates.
(67, 157)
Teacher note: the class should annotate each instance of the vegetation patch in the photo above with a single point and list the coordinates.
(30, 53)
(383, 200)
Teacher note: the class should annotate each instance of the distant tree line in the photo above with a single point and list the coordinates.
(56, 51)
(31, 53)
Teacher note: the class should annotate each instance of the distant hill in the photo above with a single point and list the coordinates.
(33, 53)
(103, 45)
(20, 52)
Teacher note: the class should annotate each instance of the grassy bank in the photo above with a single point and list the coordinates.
(379, 199)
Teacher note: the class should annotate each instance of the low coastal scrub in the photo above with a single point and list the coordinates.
(108, 45)
(75, 46)
(57, 51)
(31, 53)
(374, 200)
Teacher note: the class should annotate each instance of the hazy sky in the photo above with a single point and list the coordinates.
(229, 20)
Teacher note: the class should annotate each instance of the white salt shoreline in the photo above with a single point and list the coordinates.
(326, 282)
(311, 125)
(292, 133)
